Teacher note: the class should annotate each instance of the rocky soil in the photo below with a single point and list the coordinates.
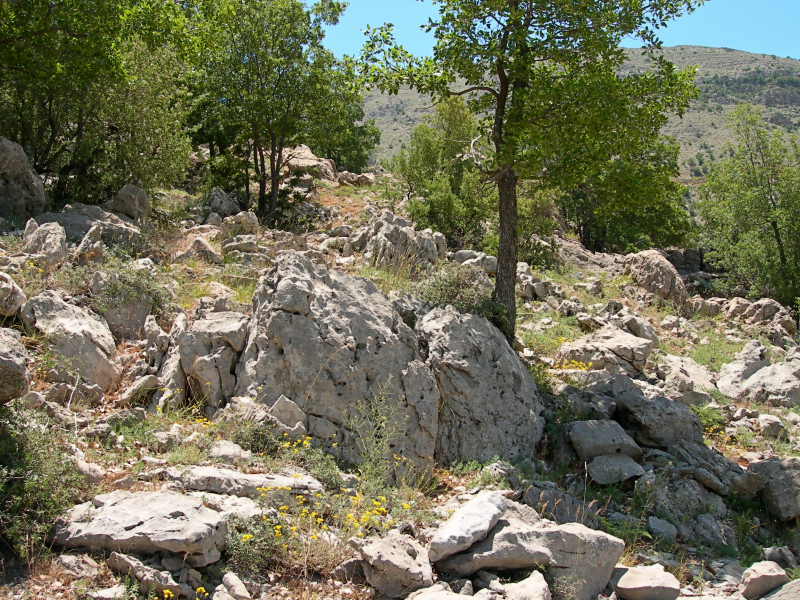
(256, 413)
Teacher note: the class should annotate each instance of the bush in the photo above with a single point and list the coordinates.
(36, 484)
(468, 290)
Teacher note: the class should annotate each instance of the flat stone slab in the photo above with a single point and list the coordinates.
(614, 468)
(598, 438)
(145, 523)
(247, 485)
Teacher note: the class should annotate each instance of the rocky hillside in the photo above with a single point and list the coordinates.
(218, 410)
(724, 77)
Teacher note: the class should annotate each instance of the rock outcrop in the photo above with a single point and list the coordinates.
(77, 219)
(651, 271)
(13, 366)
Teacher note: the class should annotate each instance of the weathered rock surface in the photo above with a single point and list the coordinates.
(47, 241)
(148, 577)
(132, 202)
(236, 483)
(145, 523)
(209, 351)
(658, 422)
(467, 525)
(597, 438)
(11, 296)
(302, 160)
(396, 565)
(222, 204)
(21, 190)
(790, 591)
(77, 219)
(732, 376)
(608, 348)
(613, 468)
(781, 485)
(762, 578)
(13, 366)
(581, 558)
(78, 335)
(651, 271)
(395, 243)
(533, 587)
(330, 342)
(645, 583)
(481, 380)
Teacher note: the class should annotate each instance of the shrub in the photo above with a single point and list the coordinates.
(468, 290)
(36, 484)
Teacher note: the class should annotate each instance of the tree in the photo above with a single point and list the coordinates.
(543, 71)
(270, 71)
(438, 175)
(77, 93)
(750, 205)
(629, 203)
(344, 136)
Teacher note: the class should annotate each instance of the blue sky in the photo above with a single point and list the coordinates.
(761, 26)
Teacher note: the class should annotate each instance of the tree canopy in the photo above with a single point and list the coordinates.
(541, 76)
(750, 205)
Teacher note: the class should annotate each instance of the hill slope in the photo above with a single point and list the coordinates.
(725, 78)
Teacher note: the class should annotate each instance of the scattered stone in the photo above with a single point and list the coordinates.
(597, 438)
(613, 468)
(645, 583)
(782, 555)
(772, 427)
(132, 202)
(148, 577)
(221, 203)
(396, 565)
(545, 497)
(47, 243)
(651, 271)
(762, 578)
(118, 592)
(467, 525)
(228, 452)
(21, 190)
(248, 485)
(662, 530)
(658, 422)
(77, 335)
(140, 390)
(235, 587)
(608, 349)
(77, 219)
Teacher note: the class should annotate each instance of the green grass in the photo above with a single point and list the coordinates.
(716, 353)
(548, 341)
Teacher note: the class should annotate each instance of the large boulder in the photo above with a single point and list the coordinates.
(762, 578)
(11, 296)
(578, 559)
(77, 219)
(334, 343)
(302, 160)
(481, 380)
(13, 366)
(132, 202)
(608, 348)
(781, 485)
(78, 336)
(145, 523)
(651, 271)
(658, 422)
(48, 241)
(395, 565)
(645, 583)
(751, 377)
(21, 191)
(222, 204)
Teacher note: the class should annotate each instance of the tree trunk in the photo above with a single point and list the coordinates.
(276, 167)
(506, 280)
(262, 184)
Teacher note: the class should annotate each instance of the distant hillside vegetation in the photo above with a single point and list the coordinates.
(725, 78)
